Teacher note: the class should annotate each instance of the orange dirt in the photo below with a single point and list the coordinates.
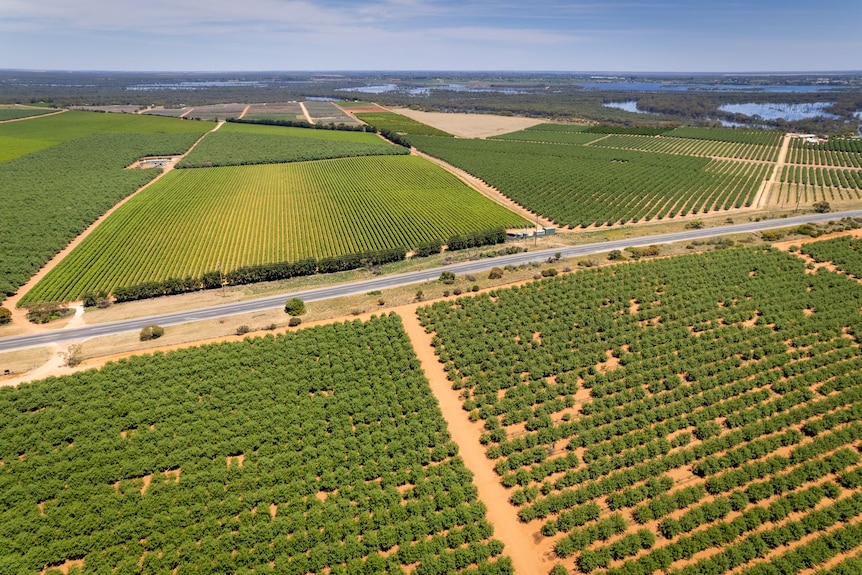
(67, 566)
(517, 537)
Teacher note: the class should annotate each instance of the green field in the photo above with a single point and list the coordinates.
(61, 172)
(583, 185)
(243, 144)
(193, 220)
(845, 253)
(839, 152)
(16, 112)
(320, 451)
(697, 414)
(399, 124)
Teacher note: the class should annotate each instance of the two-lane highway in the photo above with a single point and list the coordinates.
(397, 280)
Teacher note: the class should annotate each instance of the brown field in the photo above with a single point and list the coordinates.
(468, 125)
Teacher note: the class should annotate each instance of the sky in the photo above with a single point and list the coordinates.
(470, 35)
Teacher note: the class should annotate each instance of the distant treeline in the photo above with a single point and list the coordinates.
(310, 266)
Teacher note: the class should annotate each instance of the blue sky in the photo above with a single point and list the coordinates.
(613, 35)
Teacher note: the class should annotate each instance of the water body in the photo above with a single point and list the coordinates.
(789, 112)
(424, 91)
(196, 85)
(628, 106)
(684, 87)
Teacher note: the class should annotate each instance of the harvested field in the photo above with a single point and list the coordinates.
(469, 125)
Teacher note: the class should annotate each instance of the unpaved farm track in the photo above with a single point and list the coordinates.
(507, 528)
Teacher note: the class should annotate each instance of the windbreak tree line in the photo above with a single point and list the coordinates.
(317, 451)
(713, 400)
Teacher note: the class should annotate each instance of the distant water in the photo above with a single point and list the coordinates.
(424, 91)
(683, 87)
(628, 106)
(789, 112)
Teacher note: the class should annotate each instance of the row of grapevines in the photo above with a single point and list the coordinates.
(770, 138)
(53, 193)
(825, 153)
(243, 144)
(851, 179)
(580, 186)
(195, 221)
(318, 451)
(733, 377)
(692, 147)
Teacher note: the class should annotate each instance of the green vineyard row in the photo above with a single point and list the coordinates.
(197, 221)
(62, 172)
(582, 186)
(244, 144)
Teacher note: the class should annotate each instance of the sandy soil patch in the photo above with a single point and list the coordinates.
(469, 125)
(517, 537)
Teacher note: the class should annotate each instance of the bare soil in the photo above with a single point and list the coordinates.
(469, 125)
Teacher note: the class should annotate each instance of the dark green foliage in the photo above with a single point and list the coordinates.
(92, 299)
(486, 238)
(735, 365)
(5, 316)
(151, 332)
(821, 207)
(46, 312)
(336, 425)
(426, 249)
(294, 306)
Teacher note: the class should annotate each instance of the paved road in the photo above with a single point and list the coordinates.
(397, 280)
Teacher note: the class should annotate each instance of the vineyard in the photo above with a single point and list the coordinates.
(838, 152)
(693, 147)
(319, 451)
(289, 111)
(699, 414)
(243, 144)
(582, 186)
(62, 172)
(328, 113)
(399, 124)
(194, 221)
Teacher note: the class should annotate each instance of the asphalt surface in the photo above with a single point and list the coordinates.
(397, 280)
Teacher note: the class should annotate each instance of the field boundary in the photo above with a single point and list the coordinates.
(19, 316)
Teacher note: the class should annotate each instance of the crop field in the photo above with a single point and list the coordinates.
(838, 152)
(217, 111)
(15, 112)
(319, 451)
(169, 112)
(328, 113)
(845, 253)
(808, 184)
(289, 111)
(399, 124)
(62, 172)
(191, 221)
(243, 144)
(696, 414)
(760, 137)
(582, 186)
(692, 147)
(571, 135)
